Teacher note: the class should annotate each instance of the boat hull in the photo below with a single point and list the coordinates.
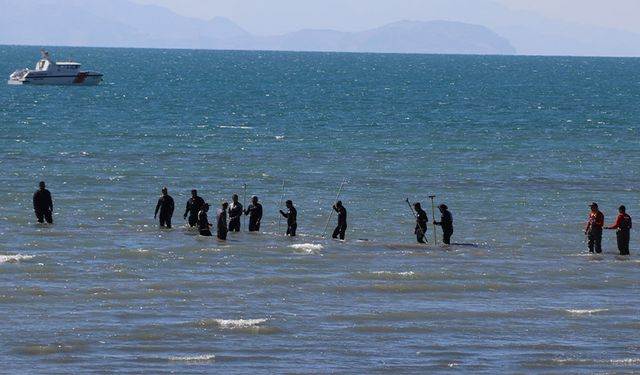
(80, 79)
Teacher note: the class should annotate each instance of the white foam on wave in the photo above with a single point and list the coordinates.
(625, 361)
(620, 362)
(309, 248)
(586, 312)
(196, 358)
(235, 127)
(407, 273)
(239, 323)
(14, 258)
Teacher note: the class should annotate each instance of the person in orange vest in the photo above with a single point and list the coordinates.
(623, 225)
(594, 229)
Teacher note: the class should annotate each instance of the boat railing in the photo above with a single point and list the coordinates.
(19, 74)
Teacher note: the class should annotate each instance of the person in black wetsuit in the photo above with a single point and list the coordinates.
(342, 220)
(221, 219)
(43, 204)
(194, 205)
(203, 221)
(235, 213)
(292, 219)
(446, 222)
(255, 214)
(165, 206)
(421, 223)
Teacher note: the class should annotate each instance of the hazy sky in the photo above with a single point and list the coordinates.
(269, 17)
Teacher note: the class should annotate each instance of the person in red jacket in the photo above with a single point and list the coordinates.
(623, 226)
(594, 229)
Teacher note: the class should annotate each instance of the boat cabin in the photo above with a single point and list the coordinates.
(45, 64)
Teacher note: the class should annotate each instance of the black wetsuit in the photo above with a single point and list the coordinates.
(221, 219)
(43, 205)
(194, 205)
(292, 223)
(446, 222)
(421, 225)
(235, 212)
(165, 206)
(255, 216)
(203, 224)
(623, 234)
(342, 222)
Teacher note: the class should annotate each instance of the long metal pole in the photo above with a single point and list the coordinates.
(280, 206)
(433, 218)
(244, 206)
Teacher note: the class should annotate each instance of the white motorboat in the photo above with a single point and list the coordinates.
(48, 72)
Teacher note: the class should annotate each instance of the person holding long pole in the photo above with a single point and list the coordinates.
(292, 218)
(324, 232)
(341, 228)
(421, 221)
(446, 222)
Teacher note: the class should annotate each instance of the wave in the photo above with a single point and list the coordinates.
(235, 127)
(407, 273)
(14, 258)
(385, 275)
(233, 323)
(309, 248)
(54, 348)
(411, 287)
(195, 358)
(619, 362)
(379, 329)
(586, 312)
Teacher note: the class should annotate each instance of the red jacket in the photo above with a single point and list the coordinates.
(597, 218)
(623, 221)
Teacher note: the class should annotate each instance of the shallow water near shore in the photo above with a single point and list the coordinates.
(517, 147)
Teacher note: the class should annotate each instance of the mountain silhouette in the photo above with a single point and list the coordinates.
(122, 23)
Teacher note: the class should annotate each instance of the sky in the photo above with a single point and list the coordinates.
(273, 17)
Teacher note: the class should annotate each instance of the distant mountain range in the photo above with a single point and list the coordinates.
(121, 23)
(398, 37)
(482, 27)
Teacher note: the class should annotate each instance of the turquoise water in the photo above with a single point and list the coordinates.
(517, 147)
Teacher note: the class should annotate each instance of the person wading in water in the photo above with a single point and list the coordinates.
(292, 218)
(43, 204)
(623, 226)
(342, 220)
(594, 229)
(446, 222)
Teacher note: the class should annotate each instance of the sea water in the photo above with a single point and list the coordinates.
(517, 147)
